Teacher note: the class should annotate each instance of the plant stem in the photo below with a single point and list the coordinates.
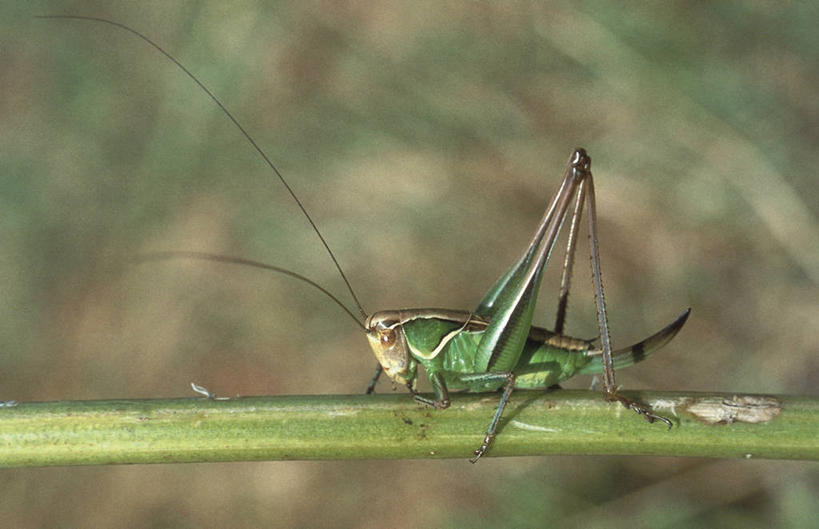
(393, 426)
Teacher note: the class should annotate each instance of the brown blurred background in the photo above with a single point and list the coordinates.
(425, 139)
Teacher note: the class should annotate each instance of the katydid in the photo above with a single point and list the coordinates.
(495, 346)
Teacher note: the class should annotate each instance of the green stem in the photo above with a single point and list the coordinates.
(393, 426)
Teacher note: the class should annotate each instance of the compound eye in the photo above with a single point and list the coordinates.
(388, 337)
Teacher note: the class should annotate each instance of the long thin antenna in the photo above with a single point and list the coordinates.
(241, 129)
(165, 256)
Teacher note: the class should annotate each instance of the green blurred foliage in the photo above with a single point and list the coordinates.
(425, 138)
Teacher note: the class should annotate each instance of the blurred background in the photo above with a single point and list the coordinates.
(425, 139)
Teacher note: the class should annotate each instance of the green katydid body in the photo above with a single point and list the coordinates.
(445, 343)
